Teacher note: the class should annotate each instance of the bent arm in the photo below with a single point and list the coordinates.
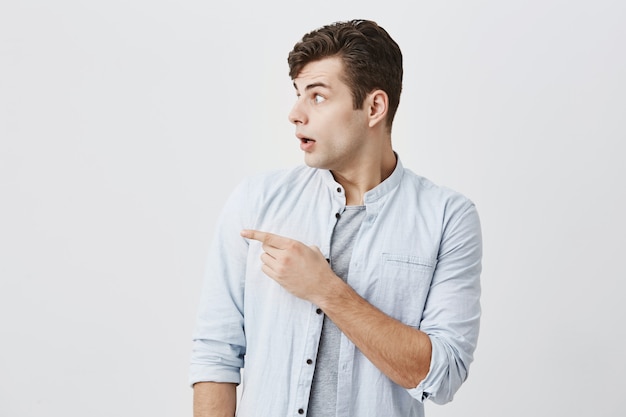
(433, 361)
(399, 351)
(214, 399)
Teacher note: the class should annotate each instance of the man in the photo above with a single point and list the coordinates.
(349, 285)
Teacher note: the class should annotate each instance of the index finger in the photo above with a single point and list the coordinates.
(265, 238)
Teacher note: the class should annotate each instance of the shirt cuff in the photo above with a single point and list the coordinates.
(211, 373)
(430, 384)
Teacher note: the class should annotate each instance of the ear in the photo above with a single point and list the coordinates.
(378, 104)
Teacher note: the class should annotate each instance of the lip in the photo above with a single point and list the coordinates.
(306, 144)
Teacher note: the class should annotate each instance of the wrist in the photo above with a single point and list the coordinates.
(331, 292)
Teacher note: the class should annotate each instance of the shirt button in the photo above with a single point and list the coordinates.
(337, 215)
(309, 361)
(338, 189)
(300, 411)
(318, 311)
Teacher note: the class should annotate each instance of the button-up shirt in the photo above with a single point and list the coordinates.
(417, 257)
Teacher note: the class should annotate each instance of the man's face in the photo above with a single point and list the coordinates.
(330, 131)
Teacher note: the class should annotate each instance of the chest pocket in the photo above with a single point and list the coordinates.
(404, 286)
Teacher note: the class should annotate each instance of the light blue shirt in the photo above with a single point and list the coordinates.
(417, 257)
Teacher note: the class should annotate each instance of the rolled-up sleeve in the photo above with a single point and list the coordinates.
(452, 313)
(219, 342)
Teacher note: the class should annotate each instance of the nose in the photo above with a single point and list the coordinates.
(297, 115)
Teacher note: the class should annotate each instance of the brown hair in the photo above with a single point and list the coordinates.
(371, 58)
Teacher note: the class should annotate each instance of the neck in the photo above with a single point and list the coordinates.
(365, 177)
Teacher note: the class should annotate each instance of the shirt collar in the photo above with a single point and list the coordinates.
(377, 192)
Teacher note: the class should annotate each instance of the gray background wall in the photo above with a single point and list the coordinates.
(125, 124)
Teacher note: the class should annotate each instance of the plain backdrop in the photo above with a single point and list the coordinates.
(125, 124)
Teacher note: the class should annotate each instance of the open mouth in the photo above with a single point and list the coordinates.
(305, 143)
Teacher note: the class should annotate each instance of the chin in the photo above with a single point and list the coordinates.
(313, 162)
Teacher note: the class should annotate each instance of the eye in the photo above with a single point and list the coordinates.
(317, 99)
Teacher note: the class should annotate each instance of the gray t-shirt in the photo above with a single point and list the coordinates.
(323, 398)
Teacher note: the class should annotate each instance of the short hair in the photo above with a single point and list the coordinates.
(371, 58)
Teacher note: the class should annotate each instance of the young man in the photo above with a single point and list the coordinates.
(349, 285)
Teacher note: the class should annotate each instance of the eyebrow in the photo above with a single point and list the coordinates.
(312, 85)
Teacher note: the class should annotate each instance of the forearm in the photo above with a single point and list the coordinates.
(401, 352)
(214, 399)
